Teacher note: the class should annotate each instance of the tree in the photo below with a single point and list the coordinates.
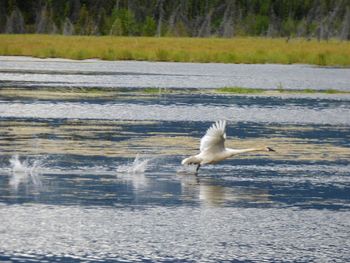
(226, 28)
(160, 9)
(129, 23)
(45, 23)
(68, 27)
(345, 29)
(117, 28)
(150, 27)
(124, 23)
(75, 9)
(332, 18)
(272, 29)
(288, 27)
(301, 28)
(200, 18)
(205, 28)
(85, 24)
(102, 22)
(15, 22)
(2, 16)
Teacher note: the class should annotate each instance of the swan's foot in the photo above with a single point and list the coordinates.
(269, 149)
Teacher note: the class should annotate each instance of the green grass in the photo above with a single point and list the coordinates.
(332, 91)
(308, 91)
(151, 90)
(239, 90)
(279, 90)
(235, 50)
(96, 91)
(313, 91)
(303, 91)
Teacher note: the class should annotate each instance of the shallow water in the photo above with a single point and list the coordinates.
(98, 178)
(24, 71)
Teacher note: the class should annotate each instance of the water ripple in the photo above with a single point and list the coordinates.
(295, 115)
(174, 234)
(168, 74)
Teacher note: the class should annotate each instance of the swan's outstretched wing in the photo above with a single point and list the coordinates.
(214, 139)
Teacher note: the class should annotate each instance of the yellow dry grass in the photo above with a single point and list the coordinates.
(235, 50)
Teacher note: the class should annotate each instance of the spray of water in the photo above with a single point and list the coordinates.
(25, 172)
(138, 166)
(134, 172)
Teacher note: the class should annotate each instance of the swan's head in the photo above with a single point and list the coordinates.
(268, 149)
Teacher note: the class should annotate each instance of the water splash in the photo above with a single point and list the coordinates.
(25, 172)
(134, 172)
(138, 166)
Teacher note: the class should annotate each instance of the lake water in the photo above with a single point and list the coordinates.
(23, 71)
(95, 175)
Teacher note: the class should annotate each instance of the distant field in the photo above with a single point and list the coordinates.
(236, 50)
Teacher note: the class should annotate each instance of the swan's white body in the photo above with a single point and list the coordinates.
(212, 147)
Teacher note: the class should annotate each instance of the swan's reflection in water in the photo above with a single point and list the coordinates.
(209, 191)
(144, 183)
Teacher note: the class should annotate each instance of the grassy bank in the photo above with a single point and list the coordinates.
(242, 90)
(236, 50)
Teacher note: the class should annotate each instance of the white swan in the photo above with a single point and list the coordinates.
(212, 147)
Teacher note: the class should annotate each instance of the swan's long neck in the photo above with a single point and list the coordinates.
(231, 152)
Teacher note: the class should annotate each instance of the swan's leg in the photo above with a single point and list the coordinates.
(198, 166)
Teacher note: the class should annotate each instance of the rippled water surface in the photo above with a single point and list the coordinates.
(95, 174)
(23, 71)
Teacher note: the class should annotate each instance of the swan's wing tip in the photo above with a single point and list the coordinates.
(219, 125)
(215, 136)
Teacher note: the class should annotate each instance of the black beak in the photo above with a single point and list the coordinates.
(270, 149)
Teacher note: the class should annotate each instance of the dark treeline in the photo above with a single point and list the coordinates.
(321, 19)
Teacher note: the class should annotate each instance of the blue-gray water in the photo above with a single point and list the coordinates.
(23, 71)
(98, 177)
